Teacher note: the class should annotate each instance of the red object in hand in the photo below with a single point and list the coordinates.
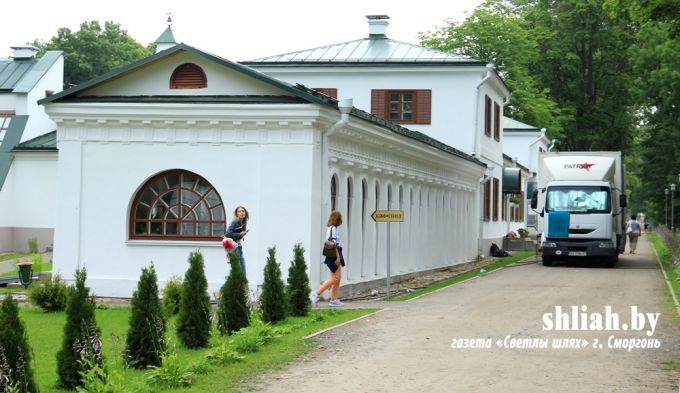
(228, 243)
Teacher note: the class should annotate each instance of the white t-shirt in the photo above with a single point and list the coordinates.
(333, 234)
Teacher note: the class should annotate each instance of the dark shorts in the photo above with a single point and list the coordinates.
(330, 262)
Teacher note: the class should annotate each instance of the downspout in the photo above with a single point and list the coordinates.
(345, 107)
(540, 138)
(480, 214)
(552, 144)
(489, 74)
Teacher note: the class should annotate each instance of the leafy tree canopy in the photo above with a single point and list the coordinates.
(92, 51)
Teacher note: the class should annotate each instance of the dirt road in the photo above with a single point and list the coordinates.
(408, 346)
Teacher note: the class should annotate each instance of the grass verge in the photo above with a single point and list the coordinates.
(666, 258)
(45, 332)
(499, 263)
(37, 268)
(14, 255)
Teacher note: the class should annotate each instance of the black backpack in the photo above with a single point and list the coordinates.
(496, 251)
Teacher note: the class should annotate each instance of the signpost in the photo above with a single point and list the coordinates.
(388, 216)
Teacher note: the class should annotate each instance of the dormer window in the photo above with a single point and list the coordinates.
(188, 76)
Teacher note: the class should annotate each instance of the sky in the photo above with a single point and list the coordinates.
(236, 30)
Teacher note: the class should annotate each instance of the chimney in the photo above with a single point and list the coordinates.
(24, 52)
(377, 26)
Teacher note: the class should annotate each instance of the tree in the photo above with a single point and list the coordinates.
(193, 322)
(91, 51)
(16, 370)
(233, 313)
(81, 347)
(496, 33)
(272, 300)
(146, 336)
(298, 284)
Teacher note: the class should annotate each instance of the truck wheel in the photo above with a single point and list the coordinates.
(547, 261)
(611, 262)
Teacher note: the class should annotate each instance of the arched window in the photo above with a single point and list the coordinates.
(334, 192)
(350, 197)
(177, 205)
(188, 76)
(364, 202)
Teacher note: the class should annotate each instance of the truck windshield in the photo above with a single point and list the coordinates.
(578, 199)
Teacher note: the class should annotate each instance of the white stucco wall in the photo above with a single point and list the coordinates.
(269, 173)
(7, 102)
(39, 122)
(453, 91)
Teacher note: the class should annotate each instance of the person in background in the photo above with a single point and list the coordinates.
(633, 229)
(334, 264)
(237, 231)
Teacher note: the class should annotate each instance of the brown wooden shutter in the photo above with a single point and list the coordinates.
(487, 201)
(329, 91)
(423, 108)
(487, 116)
(188, 76)
(379, 103)
(496, 121)
(495, 198)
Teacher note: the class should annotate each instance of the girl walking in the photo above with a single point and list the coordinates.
(237, 231)
(334, 264)
(633, 229)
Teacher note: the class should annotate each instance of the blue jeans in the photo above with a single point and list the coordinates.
(239, 250)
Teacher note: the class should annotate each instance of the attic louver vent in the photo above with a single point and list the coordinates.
(188, 76)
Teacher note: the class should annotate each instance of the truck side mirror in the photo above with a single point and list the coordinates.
(534, 199)
(622, 200)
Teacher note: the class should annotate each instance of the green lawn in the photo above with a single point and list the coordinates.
(45, 332)
(666, 259)
(499, 263)
(37, 268)
(14, 255)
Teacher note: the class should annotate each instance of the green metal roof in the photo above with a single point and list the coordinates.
(44, 142)
(300, 91)
(167, 37)
(20, 76)
(11, 139)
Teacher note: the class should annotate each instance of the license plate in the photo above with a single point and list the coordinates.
(577, 253)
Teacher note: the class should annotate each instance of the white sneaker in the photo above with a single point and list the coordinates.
(336, 303)
(314, 297)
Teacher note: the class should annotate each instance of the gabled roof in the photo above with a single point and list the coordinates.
(368, 50)
(510, 125)
(73, 92)
(20, 76)
(303, 94)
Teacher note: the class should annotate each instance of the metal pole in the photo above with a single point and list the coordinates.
(388, 260)
(665, 191)
(672, 207)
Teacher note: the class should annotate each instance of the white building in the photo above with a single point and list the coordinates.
(27, 177)
(154, 157)
(456, 100)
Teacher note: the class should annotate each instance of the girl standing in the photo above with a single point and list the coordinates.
(237, 231)
(334, 264)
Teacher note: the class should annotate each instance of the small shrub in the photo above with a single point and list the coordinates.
(146, 336)
(250, 339)
(33, 245)
(298, 284)
(16, 372)
(223, 355)
(98, 380)
(172, 295)
(171, 374)
(233, 313)
(272, 300)
(81, 336)
(51, 295)
(193, 322)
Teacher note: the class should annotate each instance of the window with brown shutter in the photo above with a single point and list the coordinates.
(496, 121)
(486, 210)
(402, 106)
(329, 91)
(188, 76)
(496, 190)
(487, 116)
(504, 205)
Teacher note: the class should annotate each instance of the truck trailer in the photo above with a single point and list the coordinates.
(580, 200)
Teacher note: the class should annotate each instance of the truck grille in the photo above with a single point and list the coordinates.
(580, 231)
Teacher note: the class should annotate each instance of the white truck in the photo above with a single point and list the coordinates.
(580, 200)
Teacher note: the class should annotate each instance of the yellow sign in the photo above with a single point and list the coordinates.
(388, 216)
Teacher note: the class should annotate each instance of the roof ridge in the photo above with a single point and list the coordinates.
(306, 50)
